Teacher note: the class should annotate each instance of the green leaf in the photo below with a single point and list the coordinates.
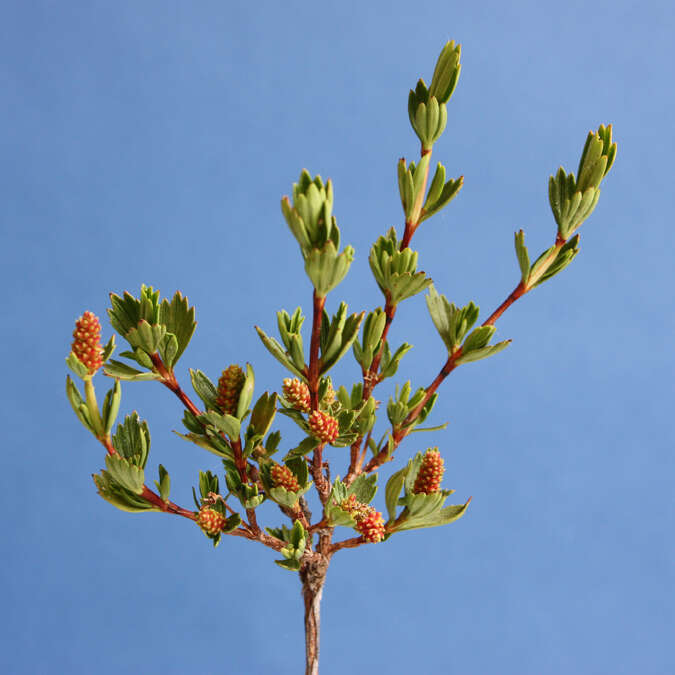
(204, 388)
(111, 406)
(179, 319)
(292, 565)
(79, 406)
(478, 338)
(373, 327)
(122, 371)
(77, 366)
(232, 523)
(364, 487)
(125, 312)
(306, 446)
(297, 540)
(326, 268)
(448, 192)
(132, 440)
(336, 517)
(366, 418)
(565, 256)
(483, 353)
(446, 72)
(389, 364)
(411, 471)
(296, 352)
(168, 350)
(246, 394)
(334, 514)
(436, 428)
(108, 349)
(422, 168)
(394, 270)
(597, 157)
(146, 336)
(124, 473)
(523, 256)
(540, 265)
(332, 332)
(140, 357)
(299, 468)
(405, 186)
(346, 338)
(209, 443)
(163, 484)
(435, 518)
(452, 323)
(420, 506)
(392, 491)
(277, 351)
(283, 496)
(119, 496)
(226, 424)
(263, 414)
(208, 483)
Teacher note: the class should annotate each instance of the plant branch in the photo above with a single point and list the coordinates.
(520, 290)
(370, 378)
(169, 380)
(312, 577)
(318, 303)
(347, 543)
(316, 465)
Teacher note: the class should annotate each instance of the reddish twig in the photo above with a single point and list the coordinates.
(347, 543)
(370, 378)
(169, 380)
(313, 370)
(318, 303)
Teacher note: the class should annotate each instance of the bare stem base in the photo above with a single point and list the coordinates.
(313, 577)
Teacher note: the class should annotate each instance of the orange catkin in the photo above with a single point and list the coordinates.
(87, 341)
(430, 474)
(230, 385)
(283, 477)
(210, 520)
(323, 426)
(296, 393)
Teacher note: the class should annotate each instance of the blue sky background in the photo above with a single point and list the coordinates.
(151, 142)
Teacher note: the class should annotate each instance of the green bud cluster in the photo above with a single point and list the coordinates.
(310, 219)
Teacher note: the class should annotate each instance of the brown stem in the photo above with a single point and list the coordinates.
(516, 293)
(347, 543)
(313, 369)
(404, 429)
(451, 363)
(167, 507)
(313, 577)
(169, 380)
(370, 378)
(148, 494)
(316, 466)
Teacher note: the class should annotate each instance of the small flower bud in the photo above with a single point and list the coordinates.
(87, 342)
(430, 474)
(283, 477)
(371, 526)
(296, 393)
(369, 522)
(328, 397)
(210, 520)
(354, 507)
(229, 387)
(323, 426)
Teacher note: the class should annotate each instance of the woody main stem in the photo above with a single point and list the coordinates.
(313, 577)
